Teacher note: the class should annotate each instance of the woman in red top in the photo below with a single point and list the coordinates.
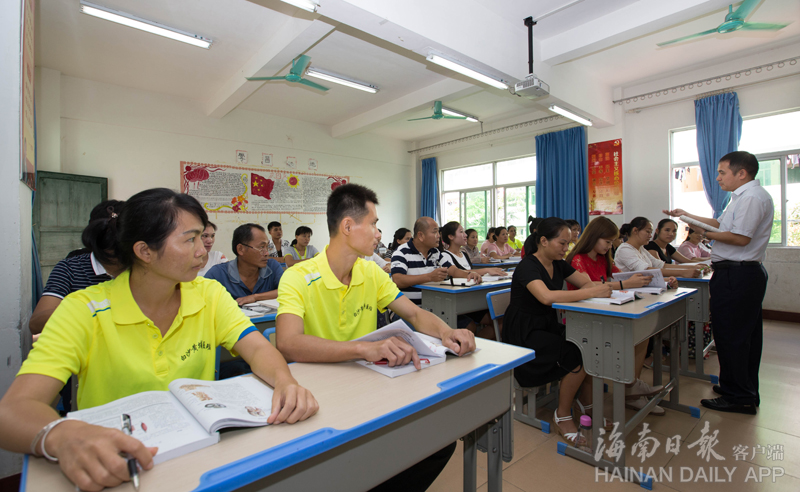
(592, 256)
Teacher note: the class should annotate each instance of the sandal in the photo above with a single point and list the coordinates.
(607, 424)
(571, 437)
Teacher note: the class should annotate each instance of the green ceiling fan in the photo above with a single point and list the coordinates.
(295, 75)
(438, 115)
(734, 21)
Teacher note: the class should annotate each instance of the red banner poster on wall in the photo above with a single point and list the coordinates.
(605, 178)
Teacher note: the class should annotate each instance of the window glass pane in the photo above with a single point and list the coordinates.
(500, 207)
(517, 171)
(452, 206)
(771, 133)
(684, 146)
(793, 200)
(688, 194)
(531, 202)
(467, 177)
(516, 211)
(769, 173)
(476, 212)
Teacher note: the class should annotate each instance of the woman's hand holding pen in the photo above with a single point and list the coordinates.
(89, 455)
(600, 290)
(291, 402)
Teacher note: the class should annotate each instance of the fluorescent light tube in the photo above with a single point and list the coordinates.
(571, 115)
(338, 79)
(143, 25)
(456, 113)
(456, 67)
(303, 4)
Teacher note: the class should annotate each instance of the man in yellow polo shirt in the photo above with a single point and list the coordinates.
(332, 299)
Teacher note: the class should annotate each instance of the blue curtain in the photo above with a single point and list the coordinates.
(429, 193)
(562, 181)
(719, 128)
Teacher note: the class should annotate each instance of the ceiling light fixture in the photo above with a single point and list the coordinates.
(303, 4)
(144, 25)
(570, 115)
(338, 79)
(458, 113)
(469, 72)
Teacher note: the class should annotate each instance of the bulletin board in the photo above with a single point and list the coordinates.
(245, 190)
(605, 178)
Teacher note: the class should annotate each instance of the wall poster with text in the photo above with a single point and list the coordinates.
(605, 178)
(233, 189)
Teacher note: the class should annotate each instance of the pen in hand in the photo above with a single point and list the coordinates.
(133, 468)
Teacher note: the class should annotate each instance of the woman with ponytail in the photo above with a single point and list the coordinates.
(532, 322)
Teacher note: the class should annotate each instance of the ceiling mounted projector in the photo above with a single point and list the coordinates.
(532, 87)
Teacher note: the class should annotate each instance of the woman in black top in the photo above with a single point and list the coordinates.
(661, 248)
(532, 322)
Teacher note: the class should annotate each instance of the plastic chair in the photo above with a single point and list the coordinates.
(526, 400)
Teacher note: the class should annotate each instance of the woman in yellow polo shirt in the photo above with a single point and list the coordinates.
(132, 334)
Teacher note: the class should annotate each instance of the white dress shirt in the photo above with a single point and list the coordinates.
(749, 213)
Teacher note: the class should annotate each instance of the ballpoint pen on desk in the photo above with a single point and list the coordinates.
(384, 362)
(133, 469)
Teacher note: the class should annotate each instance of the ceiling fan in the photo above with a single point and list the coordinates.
(295, 75)
(734, 21)
(438, 115)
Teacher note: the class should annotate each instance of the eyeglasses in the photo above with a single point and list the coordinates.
(263, 249)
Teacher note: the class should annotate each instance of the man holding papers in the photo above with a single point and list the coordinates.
(739, 282)
(330, 300)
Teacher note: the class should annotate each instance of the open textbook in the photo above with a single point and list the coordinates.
(657, 283)
(469, 282)
(260, 308)
(430, 350)
(187, 417)
(617, 297)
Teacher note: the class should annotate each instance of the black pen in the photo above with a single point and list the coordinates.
(133, 469)
(603, 278)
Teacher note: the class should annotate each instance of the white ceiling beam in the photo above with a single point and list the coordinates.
(448, 89)
(293, 38)
(634, 20)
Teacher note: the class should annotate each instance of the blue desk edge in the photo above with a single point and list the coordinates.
(649, 308)
(273, 460)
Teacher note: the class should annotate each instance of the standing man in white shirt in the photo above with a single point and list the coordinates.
(739, 282)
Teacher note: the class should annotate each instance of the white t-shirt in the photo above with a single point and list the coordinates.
(377, 259)
(214, 258)
(459, 261)
(630, 259)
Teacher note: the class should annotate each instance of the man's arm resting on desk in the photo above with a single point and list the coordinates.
(296, 346)
(404, 281)
(44, 309)
(290, 401)
(456, 272)
(262, 296)
(89, 455)
(459, 341)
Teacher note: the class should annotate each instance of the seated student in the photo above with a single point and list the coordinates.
(419, 261)
(500, 250)
(661, 248)
(592, 256)
(127, 335)
(533, 223)
(512, 239)
(78, 272)
(401, 236)
(624, 230)
(300, 249)
(381, 249)
(531, 321)
(454, 238)
(631, 256)
(692, 248)
(575, 229)
(278, 247)
(490, 239)
(212, 257)
(252, 276)
(310, 324)
(471, 249)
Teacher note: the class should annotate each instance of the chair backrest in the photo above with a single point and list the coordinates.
(498, 302)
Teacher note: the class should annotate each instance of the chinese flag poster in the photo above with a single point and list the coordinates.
(605, 178)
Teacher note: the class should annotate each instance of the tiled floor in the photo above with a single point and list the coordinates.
(538, 467)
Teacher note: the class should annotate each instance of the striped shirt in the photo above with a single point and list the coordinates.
(407, 260)
(74, 274)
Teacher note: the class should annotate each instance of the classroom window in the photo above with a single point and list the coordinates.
(493, 194)
(776, 143)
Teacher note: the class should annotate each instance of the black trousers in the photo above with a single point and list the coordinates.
(736, 296)
(420, 476)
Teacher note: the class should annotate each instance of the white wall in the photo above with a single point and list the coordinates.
(138, 138)
(15, 270)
